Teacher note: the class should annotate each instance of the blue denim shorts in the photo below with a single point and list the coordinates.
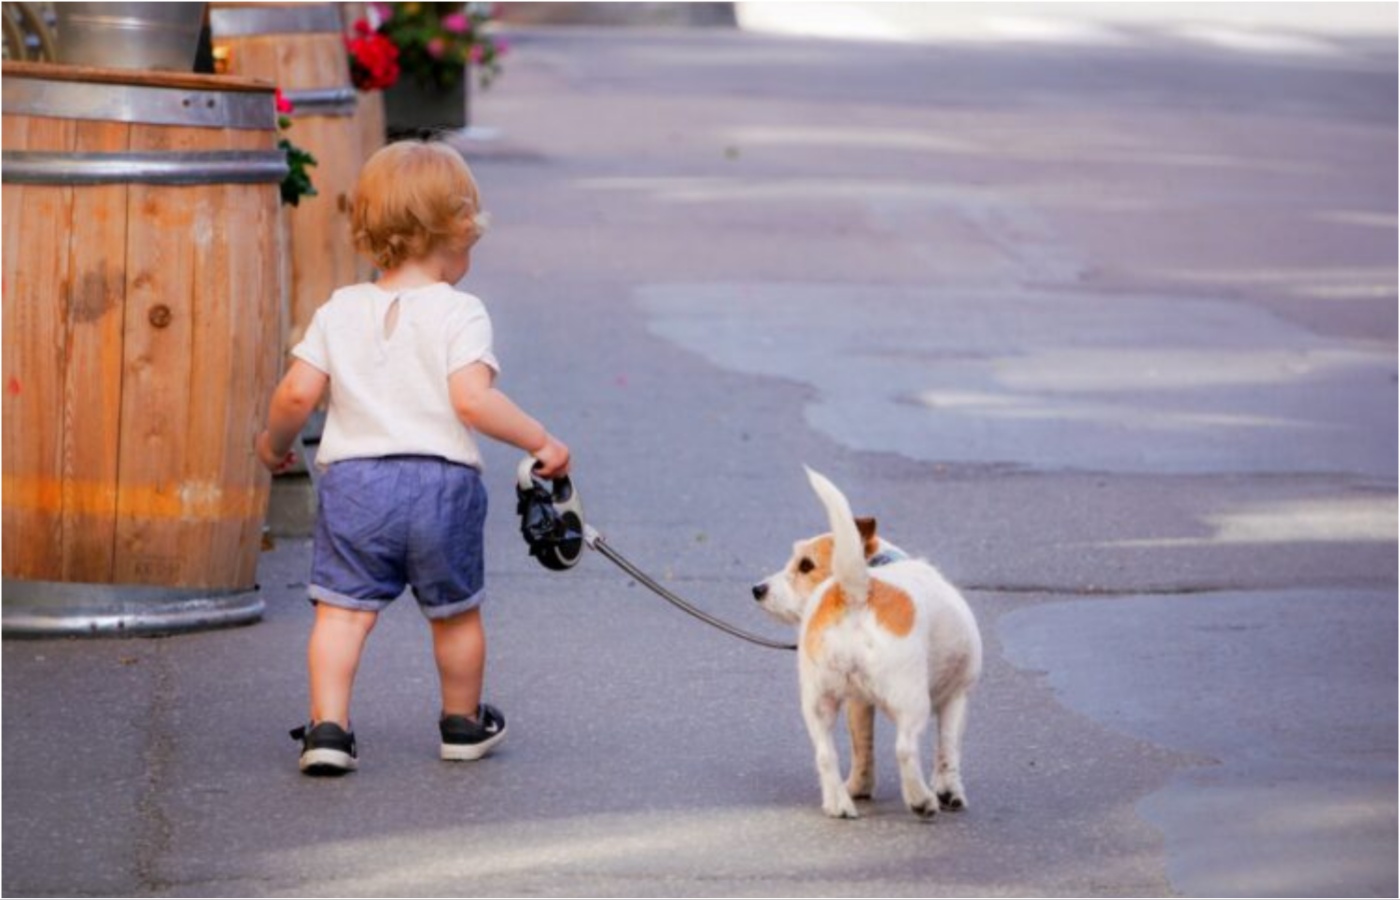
(400, 521)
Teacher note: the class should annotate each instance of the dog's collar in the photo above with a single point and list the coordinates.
(888, 555)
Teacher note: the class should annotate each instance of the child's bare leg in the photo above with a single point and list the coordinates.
(333, 656)
(459, 645)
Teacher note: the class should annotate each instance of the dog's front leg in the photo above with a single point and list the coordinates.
(860, 720)
(819, 710)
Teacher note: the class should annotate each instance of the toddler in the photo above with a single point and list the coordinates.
(412, 379)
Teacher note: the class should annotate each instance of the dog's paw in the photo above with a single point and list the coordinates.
(860, 788)
(841, 808)
(953, 802)
(925, 809)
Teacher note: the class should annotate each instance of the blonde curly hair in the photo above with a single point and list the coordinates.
(412, 198)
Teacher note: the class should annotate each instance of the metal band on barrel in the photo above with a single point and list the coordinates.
(322, 101)
(137, 104)
(250, 21)
(213, 167)
(50, 608)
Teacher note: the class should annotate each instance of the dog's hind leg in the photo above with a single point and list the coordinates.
(820, 715)
(947, 773)
(860, 720)
(910, 726)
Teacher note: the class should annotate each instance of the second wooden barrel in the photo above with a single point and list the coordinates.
(300, 47)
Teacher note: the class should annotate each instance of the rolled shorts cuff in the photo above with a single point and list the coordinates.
(448, 610)
(329, 597)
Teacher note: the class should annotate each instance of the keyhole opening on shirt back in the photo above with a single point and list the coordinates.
(391, 319)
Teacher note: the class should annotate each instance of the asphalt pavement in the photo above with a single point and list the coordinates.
(1106, 328)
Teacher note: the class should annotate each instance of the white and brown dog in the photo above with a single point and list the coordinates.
(878, 629)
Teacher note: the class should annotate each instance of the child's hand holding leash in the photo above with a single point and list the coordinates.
(553, 458)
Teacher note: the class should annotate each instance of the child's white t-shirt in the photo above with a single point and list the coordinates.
(388, 389)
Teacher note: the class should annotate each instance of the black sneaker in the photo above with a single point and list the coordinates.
(326, 749)
(463, 739)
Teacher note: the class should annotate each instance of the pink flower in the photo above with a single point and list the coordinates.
(478, 53)
(457, 23)
(383, 12)
(436, 47)
(501, 46)
(284, 106)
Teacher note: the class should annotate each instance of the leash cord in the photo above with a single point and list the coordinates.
(595, 540)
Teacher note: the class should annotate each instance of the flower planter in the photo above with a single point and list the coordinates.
(412, 110)
(436, 44)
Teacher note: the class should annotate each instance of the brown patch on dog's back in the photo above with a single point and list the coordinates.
(830, 610)
(894, 610)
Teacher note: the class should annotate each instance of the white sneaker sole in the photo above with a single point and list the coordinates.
(327, 762)
(468, 752)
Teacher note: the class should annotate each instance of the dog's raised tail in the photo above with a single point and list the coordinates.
(848, 553)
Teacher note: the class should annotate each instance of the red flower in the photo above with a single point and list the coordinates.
(374, 59)
(284, 106)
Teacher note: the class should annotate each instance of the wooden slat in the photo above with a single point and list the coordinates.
(211, 363)
(92, 397)
(160, 275)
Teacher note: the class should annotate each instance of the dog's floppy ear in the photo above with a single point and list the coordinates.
(866, 526)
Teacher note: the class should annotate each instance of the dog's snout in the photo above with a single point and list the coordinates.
(760, 590)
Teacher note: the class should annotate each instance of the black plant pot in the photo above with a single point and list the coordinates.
(413, 111)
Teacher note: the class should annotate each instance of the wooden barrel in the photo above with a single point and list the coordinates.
(141, 325)
(300, 47)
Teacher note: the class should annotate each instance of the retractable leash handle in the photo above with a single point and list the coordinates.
(551, 516)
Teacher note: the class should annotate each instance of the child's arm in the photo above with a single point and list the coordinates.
(291, 406)
(481, 406)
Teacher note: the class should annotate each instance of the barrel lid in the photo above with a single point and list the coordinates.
(136, 77)
(179, 99)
